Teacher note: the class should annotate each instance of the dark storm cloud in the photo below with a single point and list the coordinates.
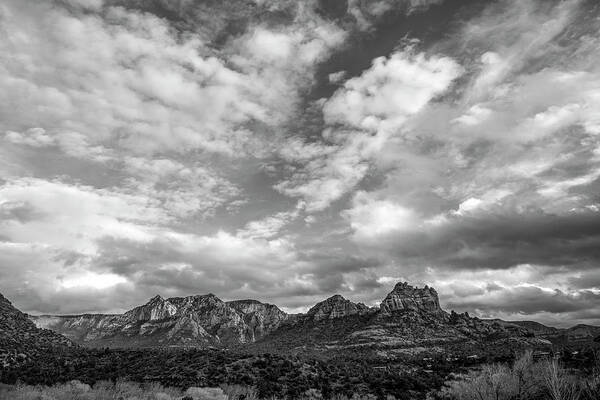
(503, 240)
(260, 270)
(532, 300)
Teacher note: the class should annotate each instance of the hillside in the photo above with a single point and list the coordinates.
(409, 321)
(195, 321)
(21, 341)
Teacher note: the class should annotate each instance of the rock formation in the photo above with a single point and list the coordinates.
(337, 307)
(259, 318)
(406, 297)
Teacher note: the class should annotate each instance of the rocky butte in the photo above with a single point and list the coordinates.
(337, 307)
(405, 297)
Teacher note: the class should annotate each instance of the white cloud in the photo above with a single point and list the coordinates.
(128, 76)
(92, 280)
(512, 51)
(375, 104)
(372, 219)
(73, 216)
(391, 90)
(270, 226)
(72, 237)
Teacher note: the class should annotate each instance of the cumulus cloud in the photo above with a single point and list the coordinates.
(371, 218)
(127, 75)
(370, 108)
(390, 91)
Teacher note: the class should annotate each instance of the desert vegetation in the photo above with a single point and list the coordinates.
(125, 390)
(523, 379)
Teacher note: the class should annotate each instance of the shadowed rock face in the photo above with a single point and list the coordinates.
(337, 307)
(406, 297)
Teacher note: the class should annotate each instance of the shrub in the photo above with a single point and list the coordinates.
(559, 384)
(498, 382)
(240, 392)
(198, 393)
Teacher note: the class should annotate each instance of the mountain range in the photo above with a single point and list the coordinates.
(408, 319)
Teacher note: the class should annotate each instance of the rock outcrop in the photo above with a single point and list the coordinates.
(409, 320)
(337, 307)
(260, 319)
(156, 308)
(406, 297)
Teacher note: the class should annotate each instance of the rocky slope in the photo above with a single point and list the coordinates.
(408, 320)
(337, 307)
(21, 340)
(196, 321)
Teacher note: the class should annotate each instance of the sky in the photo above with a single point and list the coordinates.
(288, 150)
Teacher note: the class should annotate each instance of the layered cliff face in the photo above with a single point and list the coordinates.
(337, 307)
(259, 318)
(406, 297)
(21, 340)
(195, 321)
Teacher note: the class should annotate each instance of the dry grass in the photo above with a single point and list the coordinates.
(524, 380)
(124, 390)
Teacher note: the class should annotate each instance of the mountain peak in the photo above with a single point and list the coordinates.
(156, 308)
(336, 307)
(407, 297)
(156, 299)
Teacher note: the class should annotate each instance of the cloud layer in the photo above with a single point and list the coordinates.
(176, 148)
